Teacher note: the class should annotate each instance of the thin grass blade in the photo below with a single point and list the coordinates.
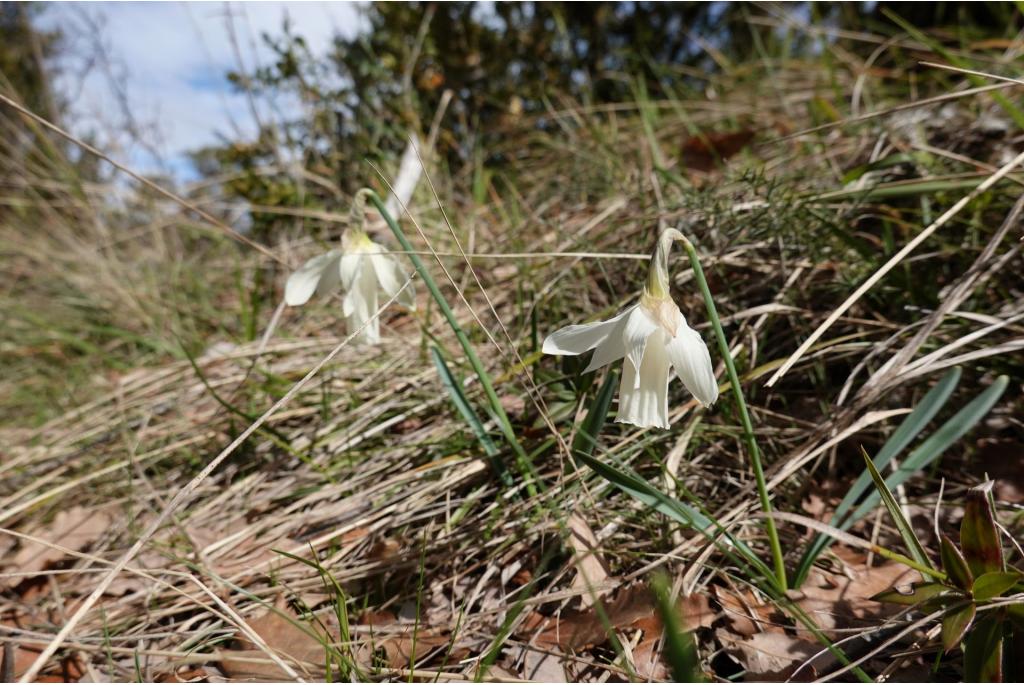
(461, 403)
(902, 524)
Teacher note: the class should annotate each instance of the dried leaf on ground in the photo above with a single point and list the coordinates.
(252, 549)
(75, 528)
(706, 151)
(772, 655)
(397, 644)
(647, 654)
(591, 572)
(583, 629)
(16, 658)
(838, 601)
(544, 667)
(298, 642)
(744, 614)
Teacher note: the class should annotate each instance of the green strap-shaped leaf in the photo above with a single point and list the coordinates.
(902, 524)
(680, 650)
(919, 592)
(522, 462)
(586, 436)
(915, 422)
(983, 652)
(461, 403)
(640, 489)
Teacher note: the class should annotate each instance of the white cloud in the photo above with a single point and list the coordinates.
(171, 60)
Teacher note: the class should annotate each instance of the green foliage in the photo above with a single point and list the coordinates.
(976, 575)
(680, 648)
(926, 453)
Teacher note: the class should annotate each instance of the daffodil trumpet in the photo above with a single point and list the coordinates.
(655, 341)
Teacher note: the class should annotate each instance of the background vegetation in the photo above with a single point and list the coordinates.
(361, 529)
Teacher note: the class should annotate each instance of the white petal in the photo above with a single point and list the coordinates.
(392, 277)
(349, 267)
(409, 171)
(611, 349)
(643, 397)
(360, 304)
(580, 338)
(639, 327)
(306, 279)
(330, 278)
(692, 363)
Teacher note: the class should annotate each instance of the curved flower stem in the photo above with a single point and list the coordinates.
(748, 427)
(522, 460)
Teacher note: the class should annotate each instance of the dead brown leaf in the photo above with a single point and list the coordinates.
(839, 601)
(744, 615)
(770, 656)
(635, 605)
(706, 151)
(590, 567)
(394, 642)
(253, 551)
(647, 654)
(16, 658)
(297, 642)
(544, 667)
(75, 528)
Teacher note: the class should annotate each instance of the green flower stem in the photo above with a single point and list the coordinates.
(522, 461)
(748, 427)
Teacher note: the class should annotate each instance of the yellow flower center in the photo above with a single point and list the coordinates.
(354, 241)
(663, 311)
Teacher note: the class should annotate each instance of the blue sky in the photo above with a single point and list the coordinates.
(163, 66)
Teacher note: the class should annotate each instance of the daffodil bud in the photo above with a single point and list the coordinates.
(657, 277)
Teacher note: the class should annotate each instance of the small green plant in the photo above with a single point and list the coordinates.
(971, 597)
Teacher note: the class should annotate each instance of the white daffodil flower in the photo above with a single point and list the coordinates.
(361, 268)
(654, 338)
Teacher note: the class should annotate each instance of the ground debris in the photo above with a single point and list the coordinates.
(75, 529)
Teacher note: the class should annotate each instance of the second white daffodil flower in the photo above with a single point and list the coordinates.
(655, 339)
(362, 269)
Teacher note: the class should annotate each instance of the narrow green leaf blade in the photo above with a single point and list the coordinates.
(936, 444)
(586, 436)
(454, 389)
(919, 592)
(680, 650)
(682, 513)
(461, 403)
(902, 524)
